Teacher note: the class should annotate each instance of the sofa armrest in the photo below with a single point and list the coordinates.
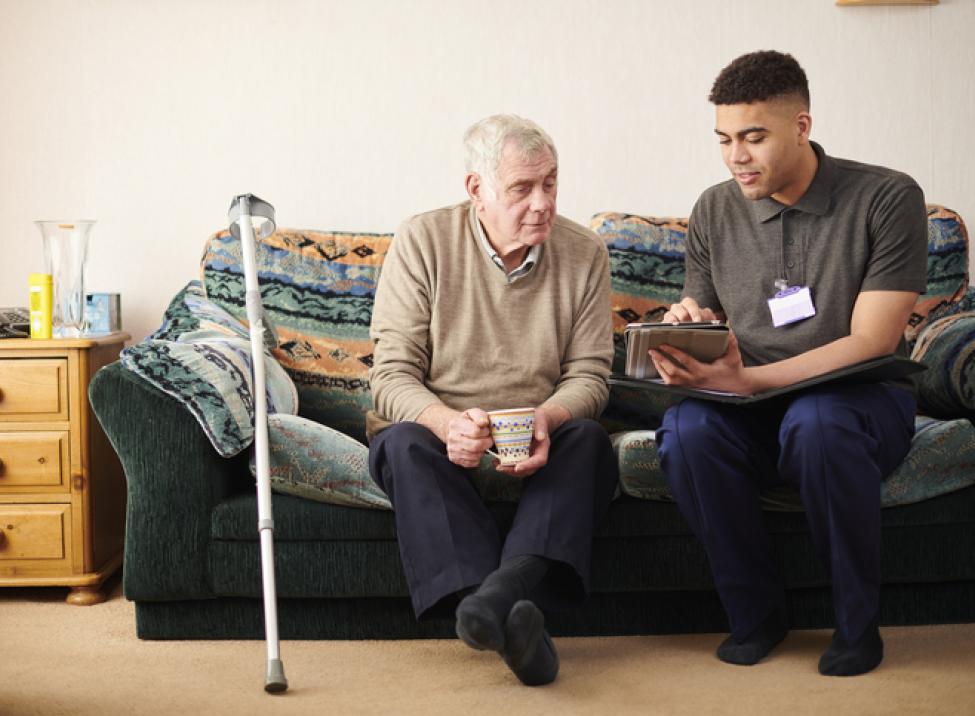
(174, 480)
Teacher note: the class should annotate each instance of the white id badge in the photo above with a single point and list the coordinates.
(790, 305)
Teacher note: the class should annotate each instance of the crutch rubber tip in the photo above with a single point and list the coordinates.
(275, 683)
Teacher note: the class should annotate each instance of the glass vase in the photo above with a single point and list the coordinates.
(65, 254)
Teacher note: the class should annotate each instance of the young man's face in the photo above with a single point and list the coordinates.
(523, 211)
(764, 144)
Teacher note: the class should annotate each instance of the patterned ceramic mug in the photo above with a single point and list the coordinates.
(512, 431)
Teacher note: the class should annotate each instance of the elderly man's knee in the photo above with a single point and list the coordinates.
(402, 440)
(587, 430)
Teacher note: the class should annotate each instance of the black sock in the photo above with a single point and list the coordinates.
(759, 643)
(481, 616)
(841, 659)
(528, 649)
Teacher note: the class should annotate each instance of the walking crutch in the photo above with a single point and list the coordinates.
(244, 210)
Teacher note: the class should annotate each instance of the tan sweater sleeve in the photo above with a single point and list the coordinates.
(400, 331)
(588, 358)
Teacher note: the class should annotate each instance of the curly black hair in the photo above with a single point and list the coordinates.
(759, 76)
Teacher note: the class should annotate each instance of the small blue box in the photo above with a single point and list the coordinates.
(103, 312)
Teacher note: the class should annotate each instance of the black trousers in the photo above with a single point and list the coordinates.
(448, 538)
(835, 443)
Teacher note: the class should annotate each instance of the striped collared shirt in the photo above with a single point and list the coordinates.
(520, 271)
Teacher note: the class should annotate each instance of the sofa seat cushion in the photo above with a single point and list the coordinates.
(318, 289)
(201, 356)
(315, 545)
(940, 461)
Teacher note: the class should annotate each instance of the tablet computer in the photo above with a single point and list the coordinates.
(706, 341)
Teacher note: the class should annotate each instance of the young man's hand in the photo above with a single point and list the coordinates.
(727, 373)
(688, 311)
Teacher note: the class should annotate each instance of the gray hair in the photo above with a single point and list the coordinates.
(485, 141)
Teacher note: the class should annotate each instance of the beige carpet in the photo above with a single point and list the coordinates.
(60, 659)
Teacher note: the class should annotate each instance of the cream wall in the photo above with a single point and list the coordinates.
(149, 116)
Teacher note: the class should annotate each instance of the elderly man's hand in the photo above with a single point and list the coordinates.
(468, 436)
(538, 452)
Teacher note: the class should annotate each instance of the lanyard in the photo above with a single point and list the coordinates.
(802, 254)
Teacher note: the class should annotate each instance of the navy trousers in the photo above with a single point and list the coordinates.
(448, 538)
(835, 443)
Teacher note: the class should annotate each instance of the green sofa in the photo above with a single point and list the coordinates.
(192, 562)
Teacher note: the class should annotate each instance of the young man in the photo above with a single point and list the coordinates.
(848, 241)
(494, 303)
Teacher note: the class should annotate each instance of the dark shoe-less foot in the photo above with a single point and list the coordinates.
(758, 644)
(841, 659)
(481, 616)
(529, 651)
(478, 625)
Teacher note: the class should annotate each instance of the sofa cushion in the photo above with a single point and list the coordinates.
(646, 264)
(940, 461)
(318, 290)
(947, 267)
(315, 462)
(201, 356)
(947, 346)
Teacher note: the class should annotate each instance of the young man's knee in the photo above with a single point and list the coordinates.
(813, 420)
(688, 427)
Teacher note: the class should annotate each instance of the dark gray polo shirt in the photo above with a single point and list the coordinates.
(857, 228)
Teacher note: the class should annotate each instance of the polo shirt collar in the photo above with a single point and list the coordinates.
(814, 201)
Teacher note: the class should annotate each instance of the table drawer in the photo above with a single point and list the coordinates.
(30, 460)
(33, 389)
(34, 532)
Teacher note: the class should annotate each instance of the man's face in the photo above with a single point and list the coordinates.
(521, 211)
(764, 144)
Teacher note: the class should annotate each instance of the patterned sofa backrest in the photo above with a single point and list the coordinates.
(647, 266)
(318, 290)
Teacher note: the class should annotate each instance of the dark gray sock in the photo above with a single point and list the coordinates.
(759, 643)
(841, 659)
(528, 649)
(481, 616)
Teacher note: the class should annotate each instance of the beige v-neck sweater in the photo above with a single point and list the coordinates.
(448, 327)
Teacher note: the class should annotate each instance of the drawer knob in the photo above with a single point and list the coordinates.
(2, 466)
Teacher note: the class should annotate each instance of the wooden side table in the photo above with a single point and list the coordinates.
(62, 490)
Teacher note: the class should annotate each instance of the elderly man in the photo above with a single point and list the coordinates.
(494, 303)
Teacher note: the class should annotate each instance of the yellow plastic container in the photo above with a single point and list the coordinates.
(41, 304)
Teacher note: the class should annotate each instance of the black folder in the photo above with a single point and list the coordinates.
(885, 368)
